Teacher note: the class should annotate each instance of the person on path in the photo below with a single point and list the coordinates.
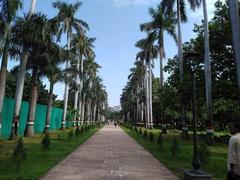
(115, 124)
(233, 161)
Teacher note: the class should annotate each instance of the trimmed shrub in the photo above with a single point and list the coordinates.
(164, 129)
(19, 154)
(82, 129)
(70, 134)
(135, 129)
(46, 142)
(140, 131)
(145, 134)
(160, 141)
(174, 148)
(151, 137)
(204, 153)
(77, 131)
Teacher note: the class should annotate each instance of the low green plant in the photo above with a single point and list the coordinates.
(82, 129)
(151, 137)
(19, 154)
(204, 153)
(145, 134)
(135, 129)
(70, 134)
(60, 136)
(174, 148)
(77, 131)
(164, 129)
(140, 131)
(160, 141)
(46, 142)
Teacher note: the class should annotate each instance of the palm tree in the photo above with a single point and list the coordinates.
(235, 23)
(82, 46)
(38, 60)
(168, 8)
(149, 52)
(7, 16)
(54, 74)
(32, 33)
(66, 15)
(91, 68)
(160, 23)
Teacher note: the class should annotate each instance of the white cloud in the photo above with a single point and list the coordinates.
(124, 3)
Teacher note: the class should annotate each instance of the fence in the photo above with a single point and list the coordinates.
(40, 118)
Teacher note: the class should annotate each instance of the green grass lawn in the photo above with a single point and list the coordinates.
(216, 165)
(37, 162)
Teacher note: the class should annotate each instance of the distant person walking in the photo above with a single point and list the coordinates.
(115, 124)
(233, 161)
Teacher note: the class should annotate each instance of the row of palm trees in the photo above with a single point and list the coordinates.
(34, 40)
(167, 17)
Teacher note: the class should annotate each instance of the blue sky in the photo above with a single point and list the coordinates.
(115, 24)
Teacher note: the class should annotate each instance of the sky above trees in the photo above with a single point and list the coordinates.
(115, 24)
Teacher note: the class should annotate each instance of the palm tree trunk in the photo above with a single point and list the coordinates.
(89, 111)
(19, 91)
(80, 105)
(235, 23)
(29, 131)
(76, 96)
(208, 75)
(83, 108)
(94, 111)
(66, 89)
(20, 80)
(49, 108)
(3, 76)
(150, 95)
(147, 97)
(181, 70)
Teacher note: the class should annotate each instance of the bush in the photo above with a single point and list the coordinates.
(151, 137)
(145, 135)
(160, 141)
(70, 134)
(77, 131)
(46, 142)
(60, 136)
(174, 148)
(135, 129)
(82, 130)
(164, 129)
(204, 153)
(19, 154)
(140, 131)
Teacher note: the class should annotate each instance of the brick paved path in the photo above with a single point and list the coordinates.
(110, 155)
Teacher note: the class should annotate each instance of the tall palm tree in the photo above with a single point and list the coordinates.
(7, 16)
(31, 33)
(168, 8)
(150, 52)
(235, 23)
(54, 74)
(83, 48)
(38, 60)
(160, 22)
(66, 15)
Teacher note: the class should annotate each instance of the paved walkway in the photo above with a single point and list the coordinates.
(110, 155)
